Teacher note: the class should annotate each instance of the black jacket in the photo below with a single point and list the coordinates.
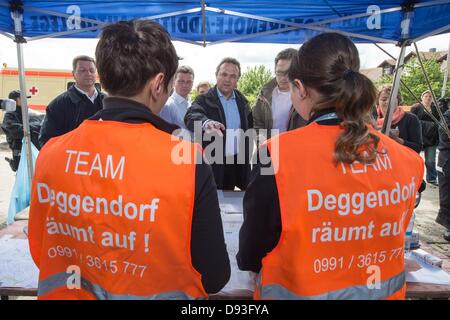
(13, 127)
(66, 112)
(444, 146)
(208, 251)
(262, 213)
(429, 127)
(208, 106)
(410, 131)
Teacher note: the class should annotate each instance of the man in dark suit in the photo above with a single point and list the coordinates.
(80, 102)
(224, 113)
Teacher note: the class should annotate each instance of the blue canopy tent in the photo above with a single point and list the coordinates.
(216, 21)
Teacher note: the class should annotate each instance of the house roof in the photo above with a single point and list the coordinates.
(390, 62)
(372, 73)
(439, 56)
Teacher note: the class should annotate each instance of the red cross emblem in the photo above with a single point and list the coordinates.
(33, 90)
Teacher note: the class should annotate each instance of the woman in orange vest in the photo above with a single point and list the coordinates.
(116, 211)
(326, 211)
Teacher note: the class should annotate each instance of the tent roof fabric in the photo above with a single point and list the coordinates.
(265, 21)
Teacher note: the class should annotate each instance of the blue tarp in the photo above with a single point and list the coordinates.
(21, 192)
(241, 20)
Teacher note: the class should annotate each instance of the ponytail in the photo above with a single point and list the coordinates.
(329, 64)
(356, 143)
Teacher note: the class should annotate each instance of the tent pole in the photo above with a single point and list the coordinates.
(19, 39)
(444, 84)
(7, 35)
(430, 88)
(309, 26)
(204, 23)
(394, 91)
(442, 126)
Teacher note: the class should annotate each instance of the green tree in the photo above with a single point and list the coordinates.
(193, 94)
(415, 80)
(252, 81)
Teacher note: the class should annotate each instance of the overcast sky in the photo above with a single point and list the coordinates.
(58, 53)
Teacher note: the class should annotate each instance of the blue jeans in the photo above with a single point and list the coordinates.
(430, 163)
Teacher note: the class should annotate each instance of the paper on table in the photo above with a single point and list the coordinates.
(427, 274)
(241, 282)
(18, 269)
(230, 202)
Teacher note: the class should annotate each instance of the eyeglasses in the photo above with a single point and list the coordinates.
(280, 73)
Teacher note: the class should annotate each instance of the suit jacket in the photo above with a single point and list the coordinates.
(262, 113)
(66, 112)
(208, 107)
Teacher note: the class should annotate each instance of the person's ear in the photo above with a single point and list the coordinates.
(157, 86)
(302, 92)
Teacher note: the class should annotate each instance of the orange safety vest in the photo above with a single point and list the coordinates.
(343, 226)
(111, 215)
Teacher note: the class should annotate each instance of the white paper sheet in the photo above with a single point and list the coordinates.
(427, 274)
(230, 201)
(241, 282)
(17, 267)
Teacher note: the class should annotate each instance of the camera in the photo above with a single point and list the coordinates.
(7, 105)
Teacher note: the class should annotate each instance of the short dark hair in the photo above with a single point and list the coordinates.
(81, 58)
(229, 60)
(185, 69)
(286, 54)
(129, 53)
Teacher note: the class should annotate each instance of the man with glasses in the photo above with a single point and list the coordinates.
(81, 101)
(224, 111)
(273, 108)
(179, 102)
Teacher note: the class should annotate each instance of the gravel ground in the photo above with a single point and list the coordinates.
(429, 231)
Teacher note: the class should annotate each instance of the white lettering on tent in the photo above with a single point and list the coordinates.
(74, 20)
(374, 20)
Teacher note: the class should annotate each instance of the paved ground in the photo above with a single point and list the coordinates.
(429, 231)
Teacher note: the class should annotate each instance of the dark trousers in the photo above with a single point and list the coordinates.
(430, 163)
(14, 162)
(443, 217)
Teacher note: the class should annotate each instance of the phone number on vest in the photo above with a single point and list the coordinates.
(112, 266)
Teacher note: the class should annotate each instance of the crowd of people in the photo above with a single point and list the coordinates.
(321, 165)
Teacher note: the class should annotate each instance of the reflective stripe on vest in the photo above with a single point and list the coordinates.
(386, 288)
(60, 280)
